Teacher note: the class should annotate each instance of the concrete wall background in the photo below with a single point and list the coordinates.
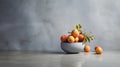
(38, 24)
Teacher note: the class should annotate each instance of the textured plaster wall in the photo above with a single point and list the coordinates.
(38, 24)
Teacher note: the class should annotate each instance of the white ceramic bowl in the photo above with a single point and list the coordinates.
(72, 47)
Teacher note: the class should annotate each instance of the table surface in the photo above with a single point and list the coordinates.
(59, 59)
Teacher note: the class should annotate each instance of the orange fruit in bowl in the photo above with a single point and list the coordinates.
(99, 50)
(81, 37)
(70, 39)
(75, 33)
(63, 38)
(76, 39)
(87, 48)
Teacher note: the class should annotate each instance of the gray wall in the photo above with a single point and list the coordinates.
(38, 24)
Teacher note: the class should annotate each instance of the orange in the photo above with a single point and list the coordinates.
(76, 39)
(81, 37)
(96, 47)
(87, 48)
(64, 38)
(75, 33)
(99, 50)
(70, 39)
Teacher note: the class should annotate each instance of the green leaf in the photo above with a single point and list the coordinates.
(85, 39)
(79, 26)
(88, 39)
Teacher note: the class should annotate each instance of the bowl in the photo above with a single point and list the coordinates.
(72, 48)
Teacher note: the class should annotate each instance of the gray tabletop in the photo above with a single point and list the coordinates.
(58, 59)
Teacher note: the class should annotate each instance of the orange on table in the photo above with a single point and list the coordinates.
(96, 47)
(87, 48)
(99, 50)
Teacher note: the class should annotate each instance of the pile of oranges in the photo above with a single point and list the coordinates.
(77, 35)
